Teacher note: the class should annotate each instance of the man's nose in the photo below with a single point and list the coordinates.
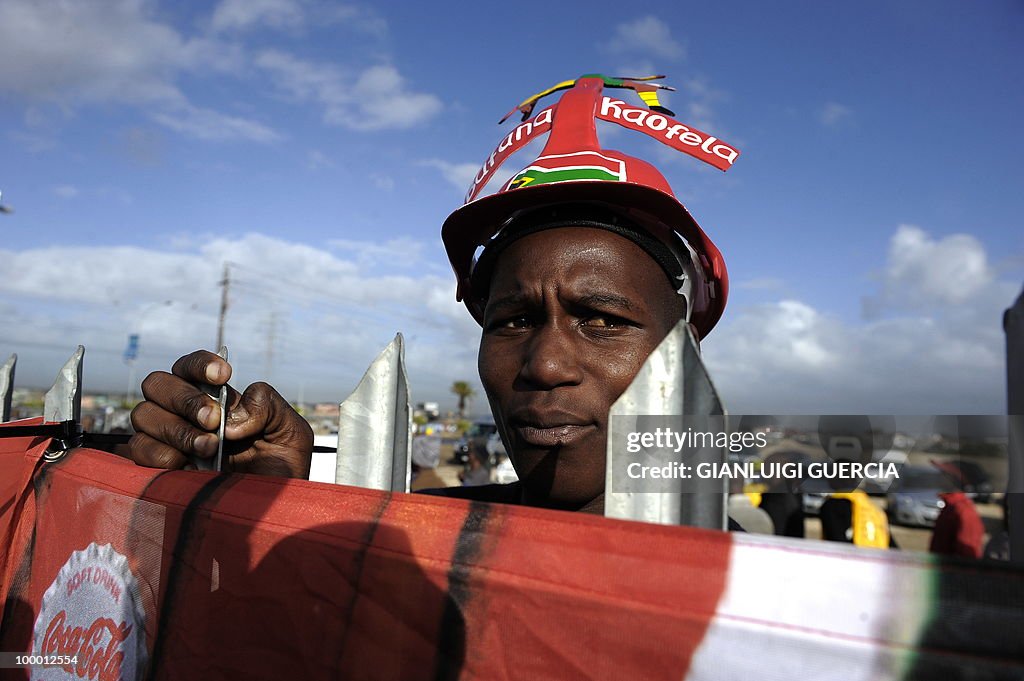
(552, 359)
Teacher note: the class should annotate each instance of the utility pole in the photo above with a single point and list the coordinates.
(225, 284)
(271, 340)
(1013, 325)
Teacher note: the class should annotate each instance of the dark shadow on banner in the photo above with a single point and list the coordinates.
(226, 598)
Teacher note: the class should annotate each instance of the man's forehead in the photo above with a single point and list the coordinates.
(589, 289)
(582, 265)
(566, 249)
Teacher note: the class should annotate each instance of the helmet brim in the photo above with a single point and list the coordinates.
(472, 226)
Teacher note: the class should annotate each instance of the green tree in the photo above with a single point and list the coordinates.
(464, 391)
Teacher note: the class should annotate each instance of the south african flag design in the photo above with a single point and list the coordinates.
(579, 166)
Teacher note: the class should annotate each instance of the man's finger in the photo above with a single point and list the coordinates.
(177, 396)
(256, 412)
(172, 430)
(145, 451)
(282, 439)
(202, 366)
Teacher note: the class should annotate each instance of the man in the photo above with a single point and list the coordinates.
(587, 262)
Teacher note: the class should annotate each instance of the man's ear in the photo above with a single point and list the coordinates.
(696, 335)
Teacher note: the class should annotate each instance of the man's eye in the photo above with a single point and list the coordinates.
(603, 321)
(512, 322)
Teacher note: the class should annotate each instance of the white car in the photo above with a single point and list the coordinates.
(495, 447)
(504, 473)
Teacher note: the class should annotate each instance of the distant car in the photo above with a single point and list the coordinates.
(432, 428)
(814, 491)
(474, 440)
(744, 455)
(975, 481)
(504, 473)
(844, 447)
(495, 448)
(914, 499)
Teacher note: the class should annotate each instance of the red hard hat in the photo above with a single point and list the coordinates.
(573, 168)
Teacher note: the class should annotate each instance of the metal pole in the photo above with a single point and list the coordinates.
(131, 383)
(63, 401)
(671, 383)
(1013, 325)
(225, 284)
(375, 426)
(7, 387)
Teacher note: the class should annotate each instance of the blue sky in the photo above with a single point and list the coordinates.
(871, 225)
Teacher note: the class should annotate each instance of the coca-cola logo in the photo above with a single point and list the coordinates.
(96, 649)
(92, 620)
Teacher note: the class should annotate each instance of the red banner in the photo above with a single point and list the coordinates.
(179, 575)
(520, 136)
(666, 130)
(123, 572)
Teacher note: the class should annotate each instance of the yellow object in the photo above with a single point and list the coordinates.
(870, 526)
(755, 498)
(755, 488)
(650, 98)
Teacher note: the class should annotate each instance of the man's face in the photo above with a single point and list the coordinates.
(572, 315)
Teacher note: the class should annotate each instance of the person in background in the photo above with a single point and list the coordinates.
(998, 547)
(849, 515)
(784, 502)
(426, 454)
(476, 472)
(742, 510)
(958, 529)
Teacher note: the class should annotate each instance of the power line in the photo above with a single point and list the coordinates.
(225, 284)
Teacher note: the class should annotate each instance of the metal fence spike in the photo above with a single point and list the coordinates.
(219, 393)
(63, 401)
(672, 382)
(7, 387)
(375, 426)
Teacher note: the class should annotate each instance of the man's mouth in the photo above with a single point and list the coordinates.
(552, 436)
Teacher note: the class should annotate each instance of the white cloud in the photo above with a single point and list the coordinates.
(86, 51)
(333, 310)
(293, 15)
(318, 160)
(116, 194)
(461, 175)
(646, 35)
(458, 175)
(923, 273)
(66, 191)
(404, 251)
(246, 14)
(759, 284)
(701, 97)
(75, 54)
(648, 41)
(82, 53)
(363, 19)
(378, 98)
(330, 312)
(33, 141)
(206, 124)
(834, 113)
(946, 357)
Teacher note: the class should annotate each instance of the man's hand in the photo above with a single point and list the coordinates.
(177, 420)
